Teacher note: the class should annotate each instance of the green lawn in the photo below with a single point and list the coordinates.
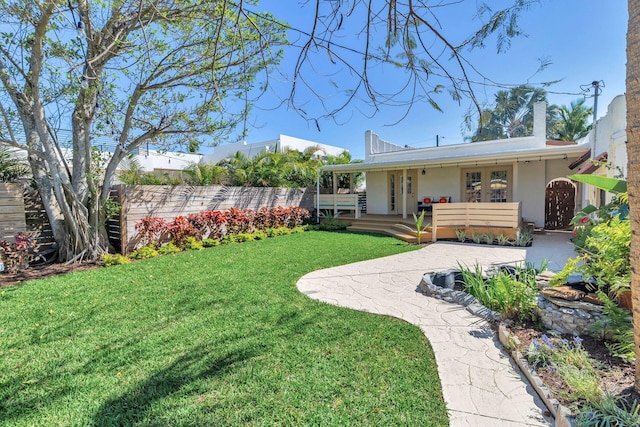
(215, 337)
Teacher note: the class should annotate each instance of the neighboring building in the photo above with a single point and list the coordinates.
(610, 147)
(162, 161)
(530, 170)
(281, 144)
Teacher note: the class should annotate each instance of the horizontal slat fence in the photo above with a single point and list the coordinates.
(168, 202)
(478, 215)
(37, 222)
(12, 219)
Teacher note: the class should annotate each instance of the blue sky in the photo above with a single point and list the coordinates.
(584, 40)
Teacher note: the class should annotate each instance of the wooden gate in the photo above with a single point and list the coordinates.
(560, 204)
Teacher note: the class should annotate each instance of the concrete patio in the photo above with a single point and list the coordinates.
(481, 386)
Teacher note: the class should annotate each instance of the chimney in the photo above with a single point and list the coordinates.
(540, 121)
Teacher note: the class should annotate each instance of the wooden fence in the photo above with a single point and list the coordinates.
(21, 209)
(168, 202)
(12, 218)
(481, 217)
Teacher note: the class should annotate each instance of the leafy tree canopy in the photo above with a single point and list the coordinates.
(164, 71)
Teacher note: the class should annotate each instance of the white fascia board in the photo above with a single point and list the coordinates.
(464, 159)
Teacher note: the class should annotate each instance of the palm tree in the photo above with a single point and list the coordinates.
(237, 169)
(512, 114)
(573, 121)
(11, 168)
(202, 174)
(633, 155)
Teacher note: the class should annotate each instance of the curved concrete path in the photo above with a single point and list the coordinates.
(480, 385)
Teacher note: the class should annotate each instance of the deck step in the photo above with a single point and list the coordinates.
(390, 230)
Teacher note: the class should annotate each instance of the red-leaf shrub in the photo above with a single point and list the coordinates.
(240, 221)
(296, 216)
(151, 229)
(179, 229)
(16, 256)
(216, 222)
(199, 224)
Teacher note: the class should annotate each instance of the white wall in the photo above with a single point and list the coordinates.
(377, 193)
(440, 182)
(154, 160)
(302, 144)
(530, 190)
(224, 151)
(611, 137)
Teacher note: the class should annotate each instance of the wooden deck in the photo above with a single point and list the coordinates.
(489, 218)
(387, 224)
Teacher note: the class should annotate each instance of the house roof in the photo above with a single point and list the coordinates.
(583, 158)
(462, 155)
(591, 167)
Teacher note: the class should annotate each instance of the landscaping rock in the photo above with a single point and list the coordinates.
(592, 298)
(563, 292)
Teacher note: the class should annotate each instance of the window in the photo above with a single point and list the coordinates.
(490, 184)
(473, 187)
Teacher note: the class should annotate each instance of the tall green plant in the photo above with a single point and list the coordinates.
(11, 168)
(573, 121)
(418, 228)
(512, 295)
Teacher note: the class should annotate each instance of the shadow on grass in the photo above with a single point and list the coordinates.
(135, 405)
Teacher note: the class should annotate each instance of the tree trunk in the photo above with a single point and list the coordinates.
(633, 155)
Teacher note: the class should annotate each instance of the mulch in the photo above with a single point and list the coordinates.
(618, 378)
(41, 272)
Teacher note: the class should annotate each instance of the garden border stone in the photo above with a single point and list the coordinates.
(561, 414)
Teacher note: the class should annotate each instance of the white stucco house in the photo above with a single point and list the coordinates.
(531, 170)
(161, 161)
(282, 143)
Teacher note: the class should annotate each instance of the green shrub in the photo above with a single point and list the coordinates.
(608, 411)
(244, 237)
(109, 260)
(228, 239)
(607, 254)
(513, 297)
(145, 252)
(299, 229)
(209, 243)
(168, 249)
(476, 237)
(487, 238)
(617, 324)
(503, 240)
(572, 363)
(279, 231)
(259, 235)
(461, 234)
(193, 244)
(605, 257)
(525, 238)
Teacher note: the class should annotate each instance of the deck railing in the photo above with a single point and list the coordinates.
(480, 215)
(337, 202)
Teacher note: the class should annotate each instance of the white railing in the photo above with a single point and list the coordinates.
(338, 202)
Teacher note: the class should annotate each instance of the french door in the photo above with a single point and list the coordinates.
(489, 184)
(396, 199)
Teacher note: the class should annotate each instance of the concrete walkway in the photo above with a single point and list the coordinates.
(480, 384)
